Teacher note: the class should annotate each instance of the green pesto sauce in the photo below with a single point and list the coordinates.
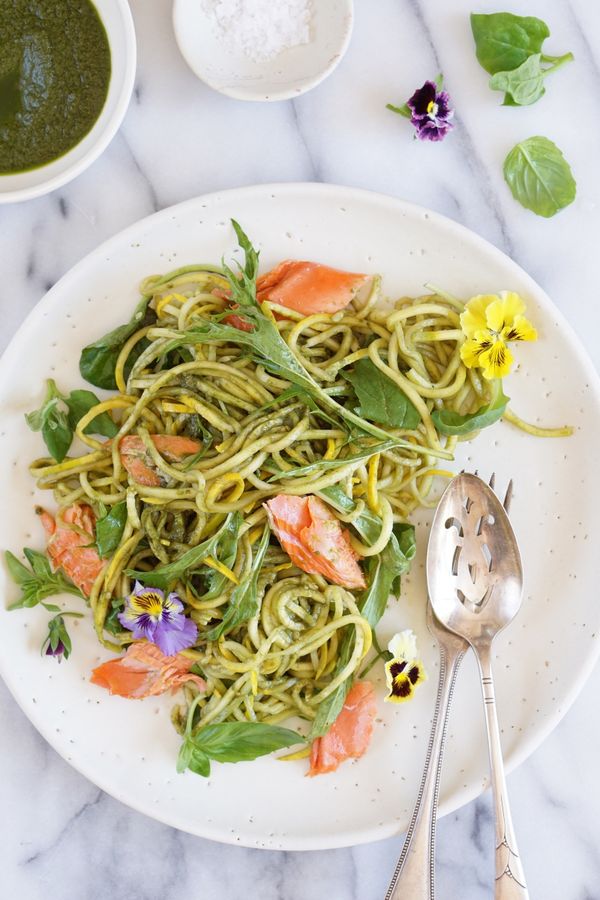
(54, 76)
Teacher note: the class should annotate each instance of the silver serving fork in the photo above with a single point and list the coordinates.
(414, 876)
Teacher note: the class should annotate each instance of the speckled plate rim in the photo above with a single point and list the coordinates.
(51, 302)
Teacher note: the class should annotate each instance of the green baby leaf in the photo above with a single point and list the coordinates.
(525, 84)
(80, 403)
(448, 422)
(381, 400)
(539, 176)
(98, 360)
(109, 529)
(504, 41)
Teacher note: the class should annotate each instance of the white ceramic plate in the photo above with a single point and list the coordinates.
(286, 75)
(117, 19)
(127, 747)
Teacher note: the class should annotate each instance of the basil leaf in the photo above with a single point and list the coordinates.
(98, 360)
(240, 741)
(164, 576)
(244, 601)
(38, 582)
(504, 41)
(525, 84)
(539, 176)
(52, 420)
(448, 422)
(80, 403)
(381, 400)
(109, 529)
(111, 623)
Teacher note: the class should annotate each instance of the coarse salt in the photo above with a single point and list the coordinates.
(261, 28)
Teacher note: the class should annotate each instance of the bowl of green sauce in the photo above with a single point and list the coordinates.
(67, 69)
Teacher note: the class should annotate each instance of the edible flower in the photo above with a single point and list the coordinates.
(404, 671)
(57, 642)
(159, 619)
(430, 111)
(490, 322)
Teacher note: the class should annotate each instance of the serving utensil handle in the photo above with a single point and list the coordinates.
(510, 877)
(414, 874)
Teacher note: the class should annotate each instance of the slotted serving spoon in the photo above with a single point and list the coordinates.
(475, 580)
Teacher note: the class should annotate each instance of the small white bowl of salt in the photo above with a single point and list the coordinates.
(262, 49)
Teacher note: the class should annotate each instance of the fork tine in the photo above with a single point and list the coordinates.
(492, 481)
(508, 496)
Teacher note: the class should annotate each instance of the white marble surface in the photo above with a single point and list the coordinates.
(60, 837)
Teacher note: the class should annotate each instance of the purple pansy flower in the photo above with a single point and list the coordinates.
(159, 619)
(58, 650)
(431, 112)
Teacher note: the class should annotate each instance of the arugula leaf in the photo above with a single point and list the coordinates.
(98, 360)
(164, 576)
(448, 422)
(225, 552)
(525, 84)
(244, 601)
(539, 176)
(381, 400)
(38, 582)
(80, 403)
(302, 471)
(266, 343)
(232, 742)
(109, 529)
(53, 421)
(367, 524)
(504, 41)
(383, 578)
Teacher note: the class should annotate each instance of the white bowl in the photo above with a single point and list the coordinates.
(117, 20)
(290, 73)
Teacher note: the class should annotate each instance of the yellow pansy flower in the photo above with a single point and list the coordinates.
(490, 322)
(403, 672)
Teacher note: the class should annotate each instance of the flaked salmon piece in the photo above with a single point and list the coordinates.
(309, 287)
(145, 671)
(350, 734)
(314, 540)
(70, 551)
(138, 462)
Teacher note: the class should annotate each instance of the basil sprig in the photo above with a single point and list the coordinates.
(509, 47)
(58, 417)
(231, 742)
(38, 582)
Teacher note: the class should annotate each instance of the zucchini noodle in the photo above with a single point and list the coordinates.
(261, 437)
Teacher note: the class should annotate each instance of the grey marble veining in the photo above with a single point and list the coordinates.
(62, 838)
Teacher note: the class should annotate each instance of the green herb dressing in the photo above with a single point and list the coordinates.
(55, 70)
